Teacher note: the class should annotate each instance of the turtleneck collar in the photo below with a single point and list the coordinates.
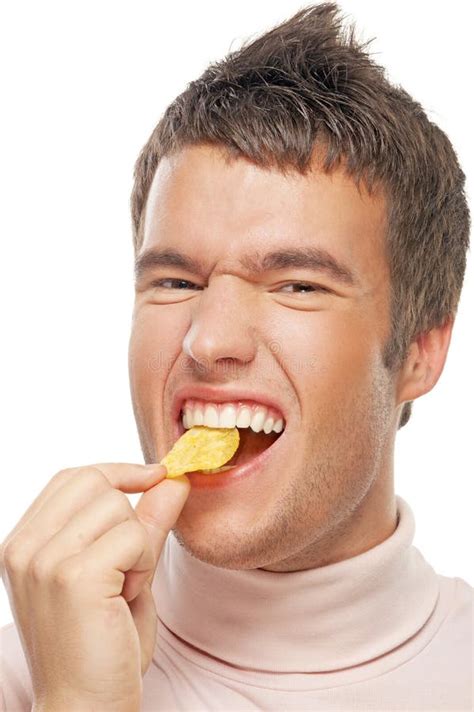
(318, 620)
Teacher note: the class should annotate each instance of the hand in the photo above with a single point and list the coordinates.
(78, 569)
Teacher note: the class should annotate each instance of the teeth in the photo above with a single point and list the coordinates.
(268, 425)
(211, 416)
(219, 469)
(198, 416)
(188, 415)
(244, 417)
(228, 415)
(258, 419)
(278, 427)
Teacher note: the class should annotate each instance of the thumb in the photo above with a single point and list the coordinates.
(158, 510)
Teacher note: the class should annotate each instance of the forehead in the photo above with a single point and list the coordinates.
(204, 202)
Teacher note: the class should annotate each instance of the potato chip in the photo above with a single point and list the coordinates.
(201, 448)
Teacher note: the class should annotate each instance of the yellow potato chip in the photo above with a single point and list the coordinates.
(201, 448)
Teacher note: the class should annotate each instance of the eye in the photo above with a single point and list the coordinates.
(179, 284)
(305, 287)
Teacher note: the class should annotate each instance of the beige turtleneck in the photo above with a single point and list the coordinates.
(377, 632)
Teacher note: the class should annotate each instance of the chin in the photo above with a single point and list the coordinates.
(223, 553)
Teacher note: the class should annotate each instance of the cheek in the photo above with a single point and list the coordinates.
(329, 357)
(155, 342)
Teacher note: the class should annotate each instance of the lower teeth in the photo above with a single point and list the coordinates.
(218, 469)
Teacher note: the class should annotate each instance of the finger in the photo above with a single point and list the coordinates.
(68, 492)
(78, 490)
(108, 509)
(125, 547)
(158, 509)
(131, 478)
(53, 485)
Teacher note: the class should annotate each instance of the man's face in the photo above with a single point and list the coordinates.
(316, 352)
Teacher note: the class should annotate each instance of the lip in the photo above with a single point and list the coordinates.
(220, 395)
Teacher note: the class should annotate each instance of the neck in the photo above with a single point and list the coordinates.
(370, 523)
(317, 620)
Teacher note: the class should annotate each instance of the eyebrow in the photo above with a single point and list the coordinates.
(312, 258)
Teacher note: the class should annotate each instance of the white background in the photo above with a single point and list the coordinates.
(83, 85)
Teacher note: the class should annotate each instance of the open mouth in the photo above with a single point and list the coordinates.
(251, 445)
(251, 426)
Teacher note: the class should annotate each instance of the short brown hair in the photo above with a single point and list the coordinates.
(308, 83)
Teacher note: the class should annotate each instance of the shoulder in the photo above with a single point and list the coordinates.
(462, 611)
(15, 681)
(454, 640)
(463, 603)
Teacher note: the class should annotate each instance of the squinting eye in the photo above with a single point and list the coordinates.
(306, 287)
(180, 282)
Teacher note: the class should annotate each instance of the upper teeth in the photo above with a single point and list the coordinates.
(231, 415)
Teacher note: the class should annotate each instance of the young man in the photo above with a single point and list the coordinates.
(300, 233)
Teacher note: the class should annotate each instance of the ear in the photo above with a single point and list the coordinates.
(424, 363)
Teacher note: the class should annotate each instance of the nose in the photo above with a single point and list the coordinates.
(222, 331)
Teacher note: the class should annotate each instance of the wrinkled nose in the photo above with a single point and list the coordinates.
(222, 331)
